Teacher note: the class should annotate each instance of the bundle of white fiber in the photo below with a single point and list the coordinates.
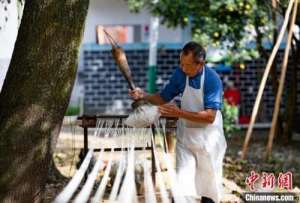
(143, 116)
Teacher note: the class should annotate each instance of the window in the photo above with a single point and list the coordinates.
(121, 33)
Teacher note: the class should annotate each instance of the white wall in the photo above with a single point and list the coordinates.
(115, 12)
(101, 12)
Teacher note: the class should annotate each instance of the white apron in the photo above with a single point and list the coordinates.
(200, 149)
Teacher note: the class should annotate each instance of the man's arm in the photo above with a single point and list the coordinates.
(167, 94)
(155, 99)
(152, 98)
(205, 116)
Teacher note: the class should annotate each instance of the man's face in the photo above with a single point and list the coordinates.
(188, 64)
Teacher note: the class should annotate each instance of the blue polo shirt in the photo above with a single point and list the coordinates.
(213, 89)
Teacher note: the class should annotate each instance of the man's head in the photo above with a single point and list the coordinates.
(192, 58)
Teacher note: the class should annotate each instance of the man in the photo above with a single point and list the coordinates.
(201, 143)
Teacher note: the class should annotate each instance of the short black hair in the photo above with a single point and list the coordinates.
(197, 50)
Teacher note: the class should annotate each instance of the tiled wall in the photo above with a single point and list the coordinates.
(106, 91)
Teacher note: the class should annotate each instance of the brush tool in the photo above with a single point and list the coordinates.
(144, 113)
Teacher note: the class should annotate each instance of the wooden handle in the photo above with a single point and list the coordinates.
(121, 60)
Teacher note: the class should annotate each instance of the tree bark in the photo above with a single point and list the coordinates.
(36, 93)
(291, 105)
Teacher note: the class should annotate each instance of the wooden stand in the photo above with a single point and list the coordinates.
(89, 121)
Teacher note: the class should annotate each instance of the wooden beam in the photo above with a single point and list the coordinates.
(264, 79)
(281, 82)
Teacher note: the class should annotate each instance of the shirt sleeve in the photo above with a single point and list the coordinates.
(172, 88)
(213, 96)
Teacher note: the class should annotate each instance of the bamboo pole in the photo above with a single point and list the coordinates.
(281, 81)
(264, 79)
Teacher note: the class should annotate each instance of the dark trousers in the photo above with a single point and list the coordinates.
(203, 200)
(206, 200)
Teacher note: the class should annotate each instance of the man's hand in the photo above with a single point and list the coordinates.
(137, 93)
(170, 110)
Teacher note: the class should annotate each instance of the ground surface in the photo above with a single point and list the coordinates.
(284, 158)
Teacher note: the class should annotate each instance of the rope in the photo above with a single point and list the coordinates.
(148, 184)
(160, 181)
(128, 193)
(71, 187)
(128, 189)
(85, 192)
(120, 171)
(101, 189)
(73, 132)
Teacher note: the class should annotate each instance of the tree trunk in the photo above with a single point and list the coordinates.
(291, 105)
(36, 93)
